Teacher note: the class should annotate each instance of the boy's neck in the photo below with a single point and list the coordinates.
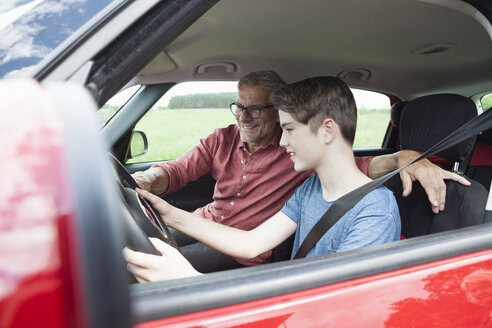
(339, 174)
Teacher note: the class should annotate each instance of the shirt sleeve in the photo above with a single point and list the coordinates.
(371, 229)
(293, 206)
(192, 165)
(363, 163)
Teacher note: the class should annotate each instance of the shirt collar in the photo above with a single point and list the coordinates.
(274, 142)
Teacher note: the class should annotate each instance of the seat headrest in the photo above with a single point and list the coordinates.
(427, 120)
(396, 111)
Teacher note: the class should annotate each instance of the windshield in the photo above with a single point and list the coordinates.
(29, 30)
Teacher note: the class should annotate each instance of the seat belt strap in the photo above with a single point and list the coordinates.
(342, 205)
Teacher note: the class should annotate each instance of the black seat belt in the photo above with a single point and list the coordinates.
(342, 205)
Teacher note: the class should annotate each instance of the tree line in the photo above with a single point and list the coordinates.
(203, 100)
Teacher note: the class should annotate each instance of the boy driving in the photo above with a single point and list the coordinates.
(318, 117)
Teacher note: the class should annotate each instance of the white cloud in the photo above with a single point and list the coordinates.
(19, 38)
(23, 72)
(18, 42)
(8, 12)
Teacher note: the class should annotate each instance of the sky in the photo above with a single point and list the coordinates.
(363, 99)
(30, 30)
(9, 12)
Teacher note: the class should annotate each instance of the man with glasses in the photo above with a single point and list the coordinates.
(255, 176)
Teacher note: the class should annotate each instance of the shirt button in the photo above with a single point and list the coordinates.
(242, 162)
(222, 217)
(232, 203)
(244, 177)
(238, 194)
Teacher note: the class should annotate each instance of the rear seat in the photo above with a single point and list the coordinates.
(394, 129)
(480, 168)
(424, 122)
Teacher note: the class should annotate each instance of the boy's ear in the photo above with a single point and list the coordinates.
(328, 129)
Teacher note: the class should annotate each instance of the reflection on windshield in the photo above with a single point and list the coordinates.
(9, 5)
(37, 27)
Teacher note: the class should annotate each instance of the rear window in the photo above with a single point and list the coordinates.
(486, 101)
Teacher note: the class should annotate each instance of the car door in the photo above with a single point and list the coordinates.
(428, 281)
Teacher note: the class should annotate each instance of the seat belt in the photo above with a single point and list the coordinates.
(342, 205)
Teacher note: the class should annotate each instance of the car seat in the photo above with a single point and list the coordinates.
(394, 128)
(480, 168)
(424, 122)
(427, 120)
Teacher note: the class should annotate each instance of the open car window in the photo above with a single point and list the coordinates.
(113, 105)
(190, 111)
(486, 102)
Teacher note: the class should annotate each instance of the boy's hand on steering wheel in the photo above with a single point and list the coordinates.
(171, 264)
(159, 204)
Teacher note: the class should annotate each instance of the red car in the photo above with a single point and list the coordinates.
(66, 213)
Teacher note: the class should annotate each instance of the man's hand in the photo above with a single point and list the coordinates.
(169, 265)
(430, 176)
(144, 179)
(155, 180)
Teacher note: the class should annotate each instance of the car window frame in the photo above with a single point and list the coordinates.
(156, 300)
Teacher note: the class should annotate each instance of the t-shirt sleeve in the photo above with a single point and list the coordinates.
(371, 229)
(293, 206)
(363, 163)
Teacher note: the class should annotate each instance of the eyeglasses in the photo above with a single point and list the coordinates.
(252, 111)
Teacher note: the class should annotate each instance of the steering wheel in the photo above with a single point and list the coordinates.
(140, 218)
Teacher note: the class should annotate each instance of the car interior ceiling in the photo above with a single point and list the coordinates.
(210, 34)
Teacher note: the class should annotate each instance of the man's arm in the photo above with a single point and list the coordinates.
(172, 175)
(430, 176)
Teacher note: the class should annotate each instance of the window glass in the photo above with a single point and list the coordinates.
(113, 105)
(373, 115)
(192, 110)
(486, 101)
(32, 29)
(184, 115)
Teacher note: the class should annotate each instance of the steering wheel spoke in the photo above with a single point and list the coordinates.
(141, 219)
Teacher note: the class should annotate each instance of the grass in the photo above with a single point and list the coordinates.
(487, 102)
(172, 132)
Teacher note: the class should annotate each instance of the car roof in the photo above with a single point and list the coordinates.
(406, 48)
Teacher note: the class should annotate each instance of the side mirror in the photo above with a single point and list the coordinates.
(138, 144)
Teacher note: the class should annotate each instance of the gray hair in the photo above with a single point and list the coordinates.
(269, 79)
(312, 100)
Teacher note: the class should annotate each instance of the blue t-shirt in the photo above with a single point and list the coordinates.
(373, 220)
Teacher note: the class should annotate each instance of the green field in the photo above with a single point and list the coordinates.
(170, 132)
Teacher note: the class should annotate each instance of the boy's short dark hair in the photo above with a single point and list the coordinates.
(312, 100)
